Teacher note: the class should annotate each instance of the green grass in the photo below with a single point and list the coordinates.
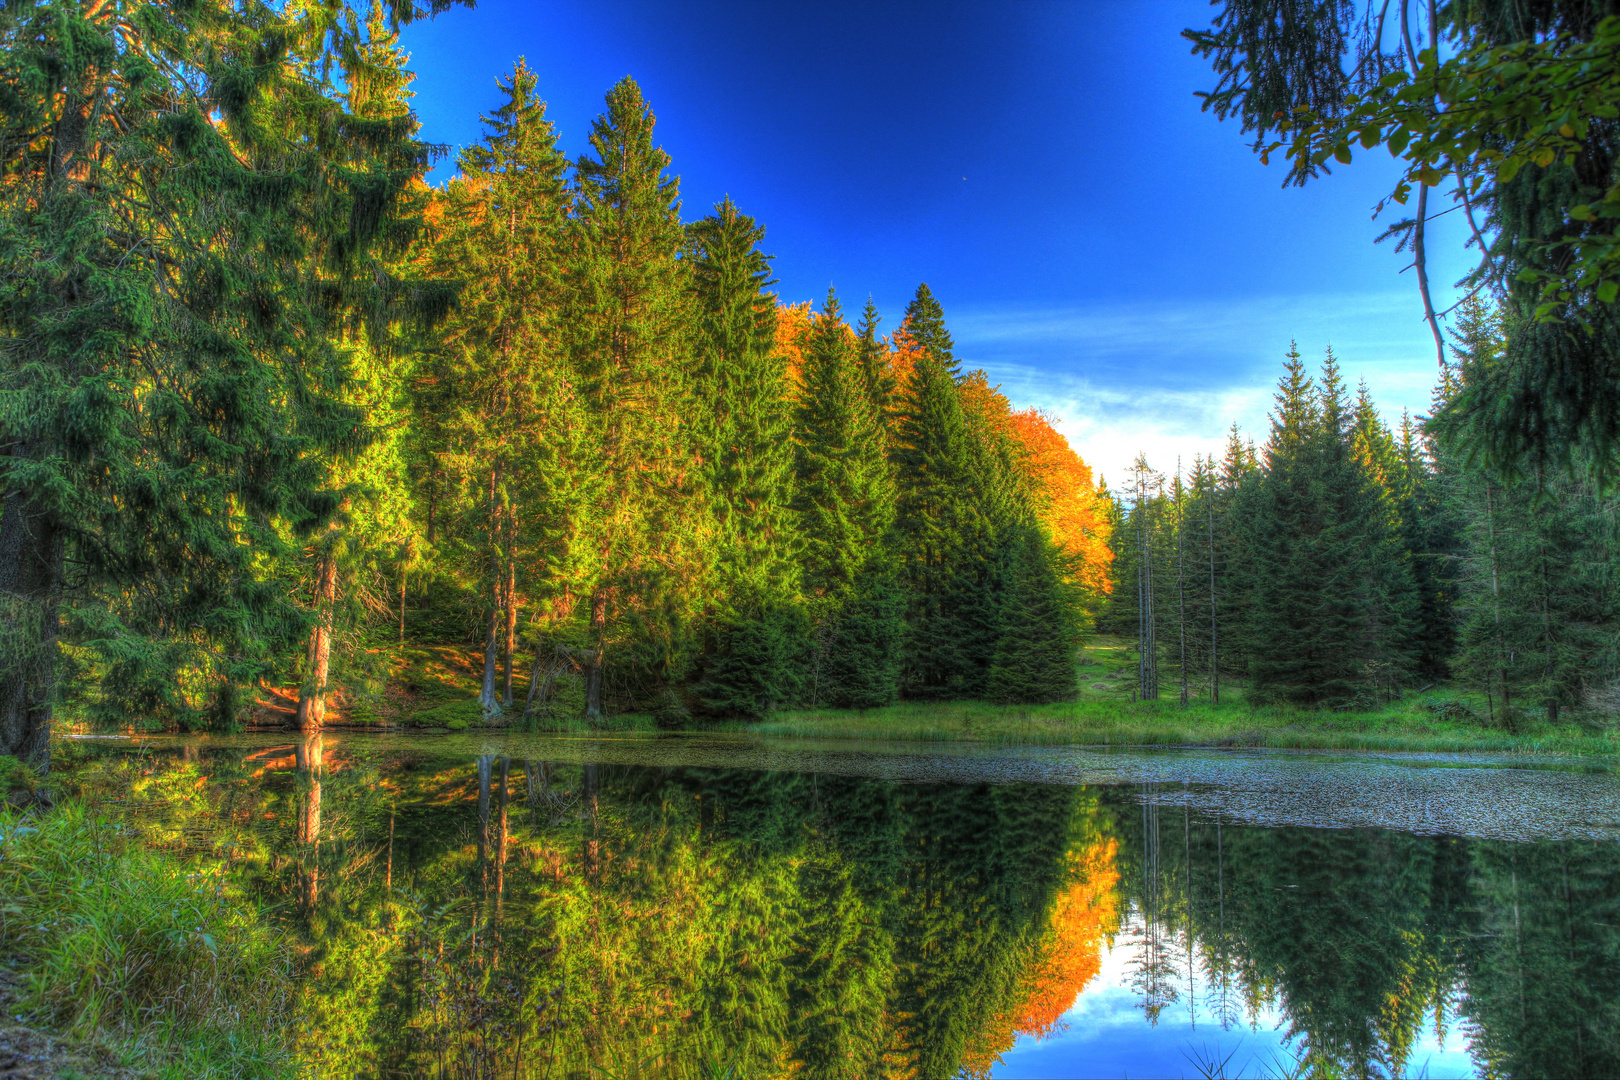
(1404, 726)
(139, 954)
(1436, 720)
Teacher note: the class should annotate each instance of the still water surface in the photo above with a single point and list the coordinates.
(542, 906)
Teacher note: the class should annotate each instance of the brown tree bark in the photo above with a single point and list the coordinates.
(509, 600)
(310, 762)
(312, 698)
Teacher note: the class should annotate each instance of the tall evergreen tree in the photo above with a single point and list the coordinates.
(1035, 652)
(189, 218)
(1330, 595)
(934, 509)
(503, 215)
(748, 450)
(627, 330)
(846, 501)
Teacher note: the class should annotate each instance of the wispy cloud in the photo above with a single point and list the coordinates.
(1168, 379)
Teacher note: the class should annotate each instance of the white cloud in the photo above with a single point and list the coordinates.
(1168, 380)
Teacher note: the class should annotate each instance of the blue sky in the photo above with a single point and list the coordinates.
(1103, 248)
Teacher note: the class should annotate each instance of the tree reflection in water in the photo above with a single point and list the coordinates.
(668, 921)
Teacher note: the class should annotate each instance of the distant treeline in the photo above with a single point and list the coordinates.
(1344, 561)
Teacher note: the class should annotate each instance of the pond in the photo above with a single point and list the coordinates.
(708, 906)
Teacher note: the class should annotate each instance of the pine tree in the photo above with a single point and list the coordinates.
(742, 387)
(1330, 596)
(748, 451)
(1035, 659)
(627, 331)
(504, 215)
(845, 495)
(934, 510)
(190, 218)
(879, 377)
(846, 501)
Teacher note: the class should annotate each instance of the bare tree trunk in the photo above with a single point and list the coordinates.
(312, 699)
(1214, 624)
(486, 694)
(593, 675)
(1181, 581)
(1496, 598)
(402, 607)
(486, 763)
(509, 591)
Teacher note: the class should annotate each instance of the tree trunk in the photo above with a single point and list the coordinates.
(593, 679)
(591, 850)
(312, 699)
(1181, 583)
(486, 763)
(1214, 624)
(486, 694)
(32, 561)
(402, 607)
(509, 597)
(501, 800)
(310, 761)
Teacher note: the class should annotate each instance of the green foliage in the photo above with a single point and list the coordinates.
(171, 966)
(454, 715)
(1331, 597)
(1035, 648)
(191, 226)
(1519, 114)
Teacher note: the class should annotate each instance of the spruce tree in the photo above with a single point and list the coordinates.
(845, 498)
(504, 214)
(191, 216)
(879, 376)
(1034, 659)
(627, 329)
(934, 510)
(750, 663)
(1330, 597)
(845, 495)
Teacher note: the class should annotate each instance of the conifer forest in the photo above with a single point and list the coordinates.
(315, 431)
(278, 411)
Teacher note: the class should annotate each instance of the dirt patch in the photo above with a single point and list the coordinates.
(30, 1053)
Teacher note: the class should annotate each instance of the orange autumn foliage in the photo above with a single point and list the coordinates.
(793, 323)
(904, 352)
(1083, 916)
(1070, 506)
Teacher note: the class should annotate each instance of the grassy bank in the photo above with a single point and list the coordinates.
(1436, 720)
(1404, 726)
(134, 960)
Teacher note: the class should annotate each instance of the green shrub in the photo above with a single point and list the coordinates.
(122, 945)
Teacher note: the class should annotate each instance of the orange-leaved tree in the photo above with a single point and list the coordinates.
(1068, 501)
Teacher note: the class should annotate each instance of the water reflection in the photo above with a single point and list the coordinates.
(679, 921)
